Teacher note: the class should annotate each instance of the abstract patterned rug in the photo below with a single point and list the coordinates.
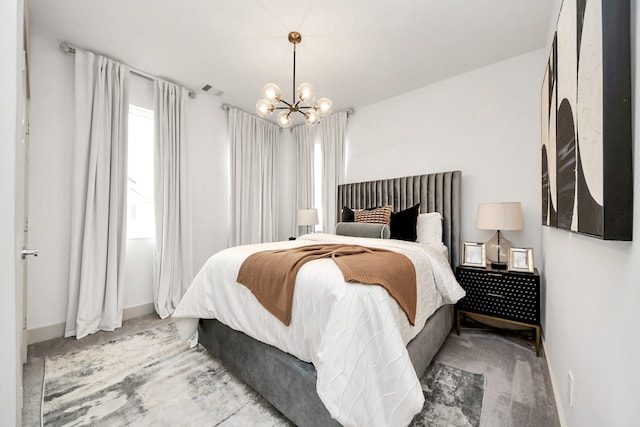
(453, 397)
(152, 378)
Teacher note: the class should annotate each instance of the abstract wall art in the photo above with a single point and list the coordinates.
(587, 147)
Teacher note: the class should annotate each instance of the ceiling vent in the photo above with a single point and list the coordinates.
(212, 90)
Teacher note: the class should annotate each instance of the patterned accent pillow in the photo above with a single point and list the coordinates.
(374, 216)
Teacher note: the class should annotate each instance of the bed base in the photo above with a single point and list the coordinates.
(288, 383)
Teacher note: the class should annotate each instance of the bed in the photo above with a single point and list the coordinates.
(292, 384)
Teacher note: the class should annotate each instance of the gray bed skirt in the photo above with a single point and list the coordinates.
(290, 384)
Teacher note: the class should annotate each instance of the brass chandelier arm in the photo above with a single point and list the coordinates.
(298, 110)
(287, 104)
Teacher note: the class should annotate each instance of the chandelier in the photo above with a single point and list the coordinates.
(302, 99)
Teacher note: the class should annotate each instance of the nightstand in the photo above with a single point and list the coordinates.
(511, 297)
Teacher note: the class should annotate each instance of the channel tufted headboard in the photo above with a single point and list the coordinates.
(435, 192)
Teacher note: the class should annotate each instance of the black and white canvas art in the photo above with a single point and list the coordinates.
(549, 97)
(587, 169)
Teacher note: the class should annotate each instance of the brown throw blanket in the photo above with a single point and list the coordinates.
(271, 275)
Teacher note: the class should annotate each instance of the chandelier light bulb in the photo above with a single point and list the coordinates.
(264, 107)
(306, 92)
(312, 117)
(271, 91)
(324, 106)
(284, 119)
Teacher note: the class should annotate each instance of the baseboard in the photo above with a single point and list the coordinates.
(45, 333)
(50, 332)
(556, 393)
(137, 311)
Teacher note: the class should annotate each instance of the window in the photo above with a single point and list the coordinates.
(140, 211)
(317, 182)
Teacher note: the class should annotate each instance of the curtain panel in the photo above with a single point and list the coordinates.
(332, 130)
(305, 147)
(254, 178)
(173, 255)
(99, 196)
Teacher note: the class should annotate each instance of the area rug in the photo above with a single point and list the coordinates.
(453, 397)
(152, 378)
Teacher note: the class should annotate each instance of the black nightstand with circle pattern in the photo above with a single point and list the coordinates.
(511, 297)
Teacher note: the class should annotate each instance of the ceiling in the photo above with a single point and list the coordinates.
(356, 52)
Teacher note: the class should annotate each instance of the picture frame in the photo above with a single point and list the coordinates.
(474, 254)
(521, 259)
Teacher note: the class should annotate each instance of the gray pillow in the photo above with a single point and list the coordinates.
(363, 229)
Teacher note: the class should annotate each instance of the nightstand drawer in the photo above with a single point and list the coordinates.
(508, 295)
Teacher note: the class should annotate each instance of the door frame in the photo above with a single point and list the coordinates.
(24, 181)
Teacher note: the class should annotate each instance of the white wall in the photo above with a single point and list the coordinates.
(50, 156)
(50, 188)
(11, 90)
(593, 296)
(484, 123)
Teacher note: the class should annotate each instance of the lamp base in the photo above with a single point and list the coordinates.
(498, 250)
(498, 266)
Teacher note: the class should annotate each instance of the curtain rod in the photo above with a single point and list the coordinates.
(66, 47)
(227, 107)
(350, 111)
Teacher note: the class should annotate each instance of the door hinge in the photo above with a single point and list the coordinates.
(24, 322)
(27, 128)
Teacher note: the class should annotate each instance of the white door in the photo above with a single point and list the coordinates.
(21, 206)
(22, 193)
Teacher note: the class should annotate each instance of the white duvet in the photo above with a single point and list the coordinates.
(354, 334)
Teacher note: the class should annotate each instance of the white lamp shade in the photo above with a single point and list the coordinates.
(499, 216)
(307, 217)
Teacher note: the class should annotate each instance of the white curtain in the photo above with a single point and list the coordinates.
(173, 260)
(254, 178)
(332, 130)
(99, 196)
(305, 148)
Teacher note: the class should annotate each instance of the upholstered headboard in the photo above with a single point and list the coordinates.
(435, 192)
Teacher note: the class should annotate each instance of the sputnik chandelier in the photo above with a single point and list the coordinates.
(302, 103)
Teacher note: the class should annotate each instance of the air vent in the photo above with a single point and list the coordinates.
(212, 89)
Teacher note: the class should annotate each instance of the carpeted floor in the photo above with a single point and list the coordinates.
(517, 390)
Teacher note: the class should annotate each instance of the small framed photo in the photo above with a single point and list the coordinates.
(521, 259)
(474, 254)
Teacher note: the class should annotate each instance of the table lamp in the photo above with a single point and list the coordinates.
(308, 217)
(499, 216)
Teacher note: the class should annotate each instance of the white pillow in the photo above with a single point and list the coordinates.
(429, 227)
